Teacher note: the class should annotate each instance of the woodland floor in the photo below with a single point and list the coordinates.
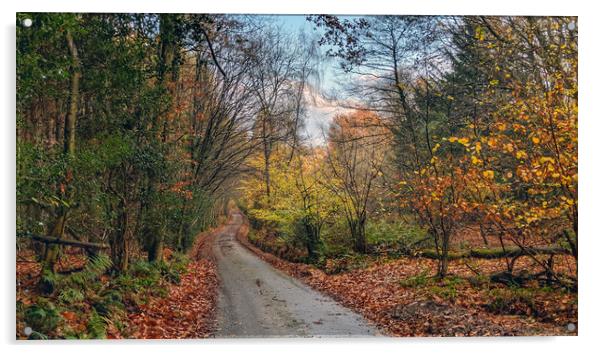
(398, 298)
(186, 310)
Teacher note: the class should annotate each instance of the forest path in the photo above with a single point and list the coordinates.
(256, 300)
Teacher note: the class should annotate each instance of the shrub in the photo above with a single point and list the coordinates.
(395, 238)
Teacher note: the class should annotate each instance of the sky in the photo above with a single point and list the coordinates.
(320, 110)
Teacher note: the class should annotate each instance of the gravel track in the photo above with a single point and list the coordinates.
(257, 300)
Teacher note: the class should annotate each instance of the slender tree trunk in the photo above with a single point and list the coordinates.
(182, 229)
(71, 120)
(267, 177)
(52, 250)
(155, 253)
(266, 156)
(119, 239)
(313, 239)
(358, 232)
(444, 258)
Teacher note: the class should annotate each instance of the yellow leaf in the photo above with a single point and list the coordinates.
(489, 174)
(521, 154)
(479, 33)
(543, 160)
(535, 140)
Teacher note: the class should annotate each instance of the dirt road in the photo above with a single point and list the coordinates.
(256, 300)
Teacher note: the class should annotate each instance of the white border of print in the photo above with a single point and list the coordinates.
(589, 163)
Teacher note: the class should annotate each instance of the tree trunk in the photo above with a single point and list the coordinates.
(119, 239)
(182, 229)
(266, 156)
(52, 250)
(267, 177)
(51, 253)
(166, 65)
(71, 120)
(358, 232)
(444, 258)
(313, 239)
(155, 251)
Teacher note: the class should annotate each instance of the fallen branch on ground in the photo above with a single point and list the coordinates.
(497, 253)
(79, 244)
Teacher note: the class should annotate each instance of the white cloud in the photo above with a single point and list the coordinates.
(320, 112)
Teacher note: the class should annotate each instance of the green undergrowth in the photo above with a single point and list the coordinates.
(386, 240)
(90, 303)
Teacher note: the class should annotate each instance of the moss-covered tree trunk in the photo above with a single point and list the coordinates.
(51, 253)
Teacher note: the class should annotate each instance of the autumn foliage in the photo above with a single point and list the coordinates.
(442, 191)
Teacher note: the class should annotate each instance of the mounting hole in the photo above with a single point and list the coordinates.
(27, 331)
(571, 327)
(572, 26)
(27, 22)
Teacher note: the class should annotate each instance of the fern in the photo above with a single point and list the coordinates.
(70, 296)
(48, 282)
(42, 316)
(35, 335)
(97, 327)
(92, 271)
